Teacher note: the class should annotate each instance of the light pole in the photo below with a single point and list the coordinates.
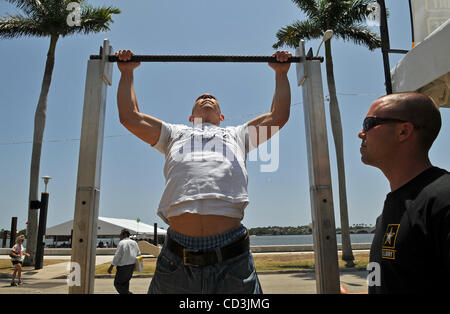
(46, 179)
(43, 206)
(328, 34)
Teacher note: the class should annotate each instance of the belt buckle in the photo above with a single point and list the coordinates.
(186, 256)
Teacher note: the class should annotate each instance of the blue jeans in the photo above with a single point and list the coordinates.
(234, 276)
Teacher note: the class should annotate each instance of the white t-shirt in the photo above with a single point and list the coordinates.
(126, 253)
(205, 162)
(19, 250)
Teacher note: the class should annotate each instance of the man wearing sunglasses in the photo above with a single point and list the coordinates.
(411, 246)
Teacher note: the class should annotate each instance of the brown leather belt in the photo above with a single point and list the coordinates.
(199, 258)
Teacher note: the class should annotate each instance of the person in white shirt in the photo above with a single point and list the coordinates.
(207, 248)
(17, 257)
(124, 260)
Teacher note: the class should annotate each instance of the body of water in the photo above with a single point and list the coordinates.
(277, 239)
(303, 239)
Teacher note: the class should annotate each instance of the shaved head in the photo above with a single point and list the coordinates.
(418, 109)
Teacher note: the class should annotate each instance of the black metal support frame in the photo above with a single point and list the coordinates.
(39, 261)
(385, 46)
(204, 58)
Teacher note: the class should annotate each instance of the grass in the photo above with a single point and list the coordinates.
(263, 262)
(6, 266)
(297, 261)
(149, 267)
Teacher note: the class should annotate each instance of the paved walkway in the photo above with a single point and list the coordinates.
(280, 283)
(51, 280)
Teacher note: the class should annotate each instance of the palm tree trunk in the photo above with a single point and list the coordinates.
(336, 127)
(39, 126)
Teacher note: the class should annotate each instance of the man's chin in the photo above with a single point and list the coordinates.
(364, 160)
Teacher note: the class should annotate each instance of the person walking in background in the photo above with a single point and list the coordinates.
(124, 260)
(17, 256)
(411, 246)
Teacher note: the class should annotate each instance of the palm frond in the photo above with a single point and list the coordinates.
(19, 26)
(360, 35)
(94, 20)
(357, 11)
(310, 7)
(27, 6)
(49, 17)
(290, 35)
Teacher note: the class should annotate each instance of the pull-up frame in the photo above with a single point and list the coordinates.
(204, 58)
(99, 76)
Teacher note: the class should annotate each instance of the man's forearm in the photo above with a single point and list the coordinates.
(126, 97)
(281, 104)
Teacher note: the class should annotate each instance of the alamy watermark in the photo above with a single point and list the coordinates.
(74, 277)
(374, 276)
(204, 146)
(374, 13)
(74, 17)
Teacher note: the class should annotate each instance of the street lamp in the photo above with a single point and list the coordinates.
(43, 206)
(46, 179)
(328, 34)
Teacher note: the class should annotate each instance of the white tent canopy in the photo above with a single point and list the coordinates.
(426, 67)
(108, 227)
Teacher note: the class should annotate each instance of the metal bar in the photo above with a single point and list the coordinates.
(40, 244)
(4, 238)
(155, 233)
(89, 174)
(324, 230)
(203, 58)
(398, 51)
(385, 46)
(412, 23)
(12, 235)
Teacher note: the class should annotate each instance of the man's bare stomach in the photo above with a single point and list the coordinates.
(195, 225)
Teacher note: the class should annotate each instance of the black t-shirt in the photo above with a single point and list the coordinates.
(412, 237)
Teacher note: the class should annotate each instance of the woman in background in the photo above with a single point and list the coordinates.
(17, 256)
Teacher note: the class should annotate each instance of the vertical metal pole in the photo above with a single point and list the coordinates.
(412, 24)
(385, 46)
(40, 243)
(324, 230)
(99, 73)
(155, 233)
(4, 238)
(12, 236)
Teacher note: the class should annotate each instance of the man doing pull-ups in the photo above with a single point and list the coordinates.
(207, 248)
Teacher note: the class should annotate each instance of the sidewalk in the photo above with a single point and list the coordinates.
(281, 283)
(51, 280)
(58, 270)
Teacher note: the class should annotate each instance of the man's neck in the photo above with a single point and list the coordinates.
(403, 172)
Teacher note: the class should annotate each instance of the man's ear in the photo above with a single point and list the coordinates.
(405, 131)
(222, 117)
(191, 119)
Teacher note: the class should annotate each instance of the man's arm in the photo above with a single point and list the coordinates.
(146, 127)
(281, 104)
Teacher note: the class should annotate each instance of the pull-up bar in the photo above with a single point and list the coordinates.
(204, 58)
(99, 76)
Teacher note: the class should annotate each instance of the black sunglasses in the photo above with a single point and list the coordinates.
(371, 122)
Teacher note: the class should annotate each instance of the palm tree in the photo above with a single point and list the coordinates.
(345, 19)
(48, 18)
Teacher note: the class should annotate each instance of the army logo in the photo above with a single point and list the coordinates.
(389, 240)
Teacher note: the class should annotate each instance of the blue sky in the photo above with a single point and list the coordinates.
(132, 178)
